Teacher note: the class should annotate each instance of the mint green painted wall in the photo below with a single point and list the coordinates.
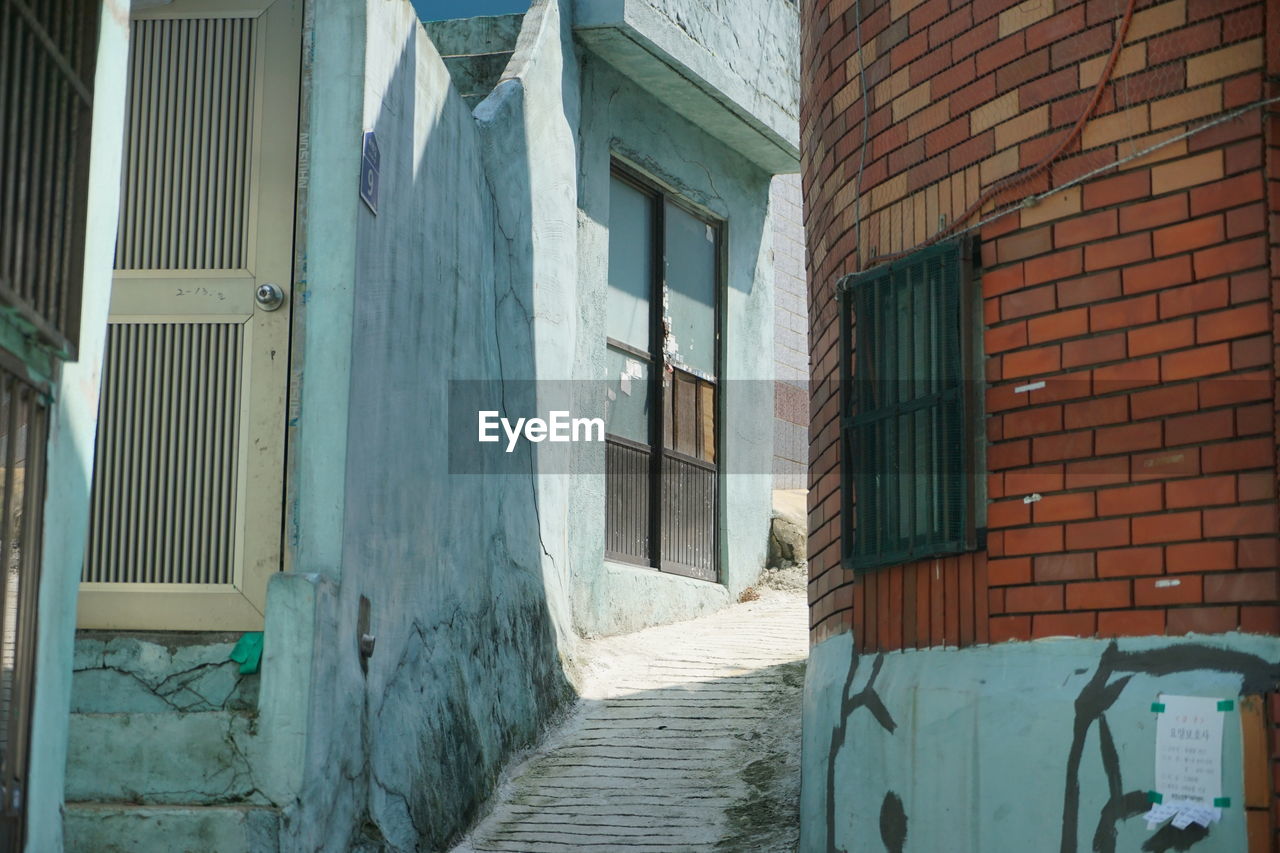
(485, 261)
(981, 739)
(71, 443)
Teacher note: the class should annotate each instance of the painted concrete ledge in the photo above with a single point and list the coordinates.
(624, 598)
(704, 60)
(1038, 746)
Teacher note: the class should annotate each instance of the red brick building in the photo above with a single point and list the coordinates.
(1114, 169)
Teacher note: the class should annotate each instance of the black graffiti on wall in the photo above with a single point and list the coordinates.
(1257, 675)
(1100, 693)
(867, 698)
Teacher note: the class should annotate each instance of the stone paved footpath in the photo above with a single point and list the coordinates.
(687, 738)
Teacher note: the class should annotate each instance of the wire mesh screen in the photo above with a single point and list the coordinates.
(47, 54)
(903, 424)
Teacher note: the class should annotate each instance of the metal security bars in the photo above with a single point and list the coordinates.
(907, 442)
(24, 423)
(47, 58)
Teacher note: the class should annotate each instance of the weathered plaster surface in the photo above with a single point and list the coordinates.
(485, 262)
(192, 672)
(128, 828)
(69, 457)
(732, 68)
(466, 663)
(1048, 745)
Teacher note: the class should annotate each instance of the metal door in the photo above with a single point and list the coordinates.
(188, 481)
(662, 357)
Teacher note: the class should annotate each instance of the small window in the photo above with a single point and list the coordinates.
(910, 418)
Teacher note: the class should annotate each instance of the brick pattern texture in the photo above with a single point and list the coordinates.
(1144, 296)
(790, 337)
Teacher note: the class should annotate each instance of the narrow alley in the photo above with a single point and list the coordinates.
(687, 738)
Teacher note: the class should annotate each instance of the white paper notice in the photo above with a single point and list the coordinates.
(1183, 813)
(1189, 750)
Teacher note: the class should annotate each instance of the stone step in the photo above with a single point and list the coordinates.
(476, 74)
(117, 672)
(162, 758)
(484, 34)
(114, 828)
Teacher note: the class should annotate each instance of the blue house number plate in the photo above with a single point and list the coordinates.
(369, 162)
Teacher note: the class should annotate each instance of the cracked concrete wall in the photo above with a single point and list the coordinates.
(183, 673)
(731, 67)
(463, 593)
(1044, 745)
(484, 262)
(72, 430)
(758, 41)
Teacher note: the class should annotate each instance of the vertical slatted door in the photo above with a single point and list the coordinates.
(185, 524)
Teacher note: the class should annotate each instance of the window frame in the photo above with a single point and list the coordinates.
(970, 466)
(661, 386)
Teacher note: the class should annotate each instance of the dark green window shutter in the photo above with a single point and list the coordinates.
(906, 439)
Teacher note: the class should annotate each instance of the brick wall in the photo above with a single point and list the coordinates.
(1140, 287)
(790, 338)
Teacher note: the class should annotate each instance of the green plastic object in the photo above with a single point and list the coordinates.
(1157, 707)
(1226, 705)
(1222, 802)
(248, 652)
(1155, 797)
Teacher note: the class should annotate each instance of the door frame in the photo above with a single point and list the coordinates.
(662, 194)
(240, 605)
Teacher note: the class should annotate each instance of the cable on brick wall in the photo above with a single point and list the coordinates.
(1001, 187)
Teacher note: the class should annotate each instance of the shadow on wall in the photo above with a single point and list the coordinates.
(466, 665)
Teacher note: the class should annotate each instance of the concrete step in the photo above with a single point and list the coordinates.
(478, 73)
(485, 34)
(117, 672)
(113, 828)
(162, 758)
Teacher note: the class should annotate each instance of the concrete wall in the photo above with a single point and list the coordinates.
(72, 431)
(790, 337)
(729, 67)
(1047, 745)
(754, 41)
(486, 262)
(466, 664)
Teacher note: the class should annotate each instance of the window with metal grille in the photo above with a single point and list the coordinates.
(47, 58)
(910, 410)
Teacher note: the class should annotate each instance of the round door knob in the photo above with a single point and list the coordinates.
(269, 297)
